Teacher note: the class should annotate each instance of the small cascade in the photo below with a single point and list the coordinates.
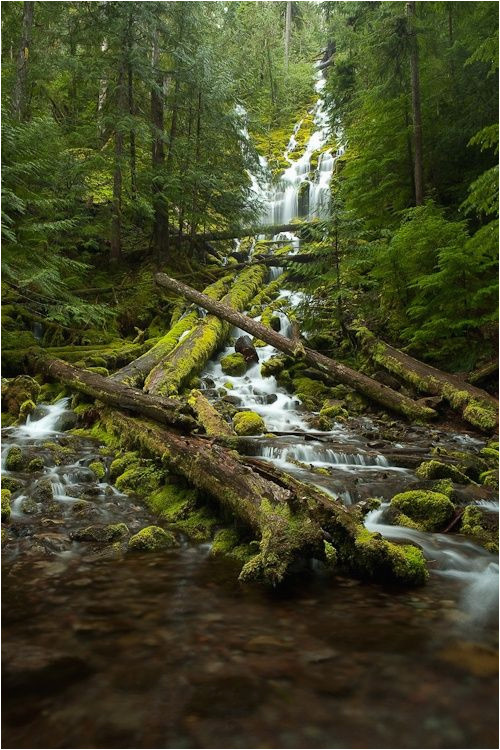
(47, 424)
(316, 454)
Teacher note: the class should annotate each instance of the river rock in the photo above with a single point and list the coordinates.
(42, 491)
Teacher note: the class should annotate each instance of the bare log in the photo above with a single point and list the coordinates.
(476, 406)
(162, 410)
(340, 373)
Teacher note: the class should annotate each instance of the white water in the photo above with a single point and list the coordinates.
(453, 557)
(46, 425)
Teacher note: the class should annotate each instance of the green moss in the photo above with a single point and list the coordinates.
(15, 460)
(248, 423)
(227, 543)
(5, 505)
(310, 392)
(379, 559)
(99, 371)
(142, 480)
(172, 502)
(334, 412)
(439, 470)
(7, 419)
(22, 390)
(330, 555)
(234, 364)
(431, 510)
(475, 524)
(152, 539)
(273, 365)
(98, 468)
(212, 422)
(26, 408)
(489, 478)
(36, 464)
(445, 487)
(12, 484)
(482, 415)
(128, 461)
(228, 385)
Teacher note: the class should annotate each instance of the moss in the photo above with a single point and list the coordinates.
(122, 463)
(142, 480)
(310, 392)
(333, 411)
(273, 365)
(36, 464)
(228, 385)
(152, 539)
(17, 392)
(101, 534)
(248, 423)
(379, 558)
(227, 543)
(489, 478)
(234, 364)
(98, 468)
(5, 505)
(15, 460)
(475, 524)
(481, 414)
(431, 510)
(12, 484)
(26, 408)
(330, 555)
(99, 371)
(445, 487)
(212, 422)
(95, 361)
(7, 419)
(172, 502)
(42, 491)
(439, 470)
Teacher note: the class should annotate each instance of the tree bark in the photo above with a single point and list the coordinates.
(288, 32)
(131, 108)
(476, 406)
(415, 100)
(116, 221)
(162, 410)
(20, 93)
(238, 232)
(160, 221)
(338, 372)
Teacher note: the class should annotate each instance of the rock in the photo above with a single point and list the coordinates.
(422, 509)
(273, 365)
(245, 347)
(5, 505)
(30, 669)
(152, 539)
(36, 464)
(15, 460)
(28, 506)
(12, 484)
(42, 491)
(17, 392)
(98, 468)
(476, 658)
(234, 364)
(101, 534)
(439, 470)
(248, 423)
(318, 655)
(66, 421)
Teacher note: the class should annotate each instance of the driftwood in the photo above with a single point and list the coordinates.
(163, 410)
(340, 373)
(477, 407)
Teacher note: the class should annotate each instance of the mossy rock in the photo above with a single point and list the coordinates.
(36, 464)
(248, 423)
(128, 461)
(26, 408)
(439, 470)
(311, 392)
(12, 484)
(489, 478)
(19, 391)
(5, 505)
(152, 539)
(42, 491)
(379, 559)
(273, 366)
(478, 524)
(142, 480)
(234, 364)
(15, 461)
(333, 411)
(101, 534)
(98, 468)
(430, 510)
(445, 487)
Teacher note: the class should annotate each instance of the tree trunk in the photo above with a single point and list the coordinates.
(338, 372)
(116, 221)
(131, 108)
(135, 372)
(291, 519)
(477, 406)
(20, 93)
(190, 356)
(288, 32)
(162, 410)
(160, 221)
(238, 232)
(415, 100)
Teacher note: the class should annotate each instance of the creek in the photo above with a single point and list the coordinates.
(168, 650)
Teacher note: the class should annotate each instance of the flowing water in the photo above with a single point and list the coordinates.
(168, 650)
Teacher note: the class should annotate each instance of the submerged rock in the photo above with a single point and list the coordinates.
(101, 534)
(42, 491)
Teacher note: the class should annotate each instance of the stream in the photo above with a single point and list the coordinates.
(147, 650)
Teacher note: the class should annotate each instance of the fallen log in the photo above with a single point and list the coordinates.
(238, 232)
(340, 373)
(482, 373)
(290, 519)
(476, 406)
(245, 347)
(279, 260)
(162, 410)
(188, 358)
(135, 372)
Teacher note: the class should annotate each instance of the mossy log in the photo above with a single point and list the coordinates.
(191, 354)
(340, 373)
(135, 372)
(163, 410)
(476, 406)
(292, 520)
(229, 234)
